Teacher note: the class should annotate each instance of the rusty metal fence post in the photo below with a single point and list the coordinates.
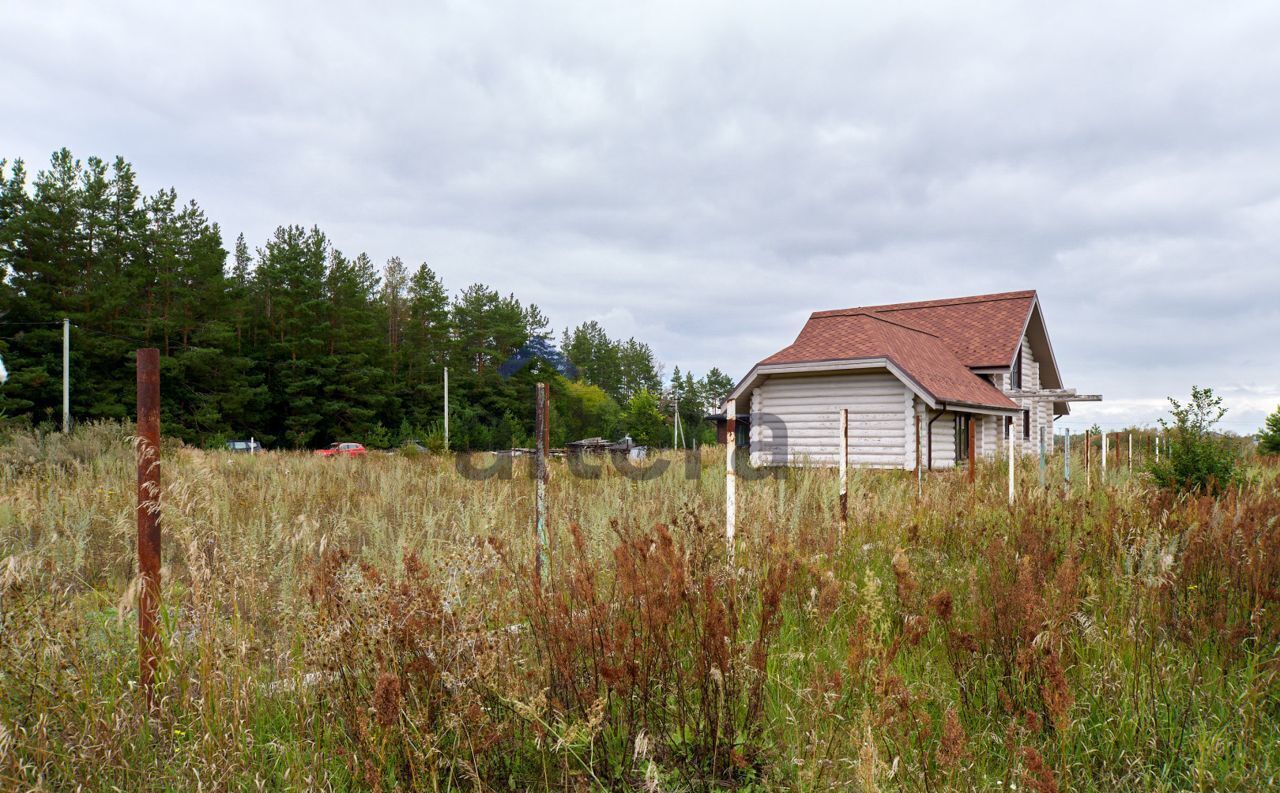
(148, 513)
(543, 474)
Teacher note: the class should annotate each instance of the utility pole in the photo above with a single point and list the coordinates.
(446, 408)
(66, 375)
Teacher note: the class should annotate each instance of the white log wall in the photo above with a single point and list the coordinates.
(943, 442)
(809, 410)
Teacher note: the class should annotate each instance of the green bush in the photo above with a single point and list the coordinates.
(1199, 459)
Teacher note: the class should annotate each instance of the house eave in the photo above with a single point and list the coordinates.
(760, 371)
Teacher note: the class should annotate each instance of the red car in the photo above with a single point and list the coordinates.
(343, 450)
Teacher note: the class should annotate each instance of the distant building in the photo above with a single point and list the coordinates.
(912, 375)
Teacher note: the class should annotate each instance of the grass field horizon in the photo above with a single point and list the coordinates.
(375, 624)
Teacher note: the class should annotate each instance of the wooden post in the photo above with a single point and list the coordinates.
(844, 470)
(730, 478)
(446, 408)
(972, 453)
(148, 514)
(543, 429)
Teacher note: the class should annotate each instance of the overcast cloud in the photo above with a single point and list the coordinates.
(704, 175)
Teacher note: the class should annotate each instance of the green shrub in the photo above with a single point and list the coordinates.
(1199, 459)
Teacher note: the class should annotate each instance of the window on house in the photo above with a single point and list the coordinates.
(1026, 425)
(1015, 374)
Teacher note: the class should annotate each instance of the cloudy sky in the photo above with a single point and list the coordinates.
(704, 175)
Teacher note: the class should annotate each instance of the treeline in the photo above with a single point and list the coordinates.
(292, 342)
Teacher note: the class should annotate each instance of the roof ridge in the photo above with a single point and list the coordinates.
(876, 316)
(916, 304)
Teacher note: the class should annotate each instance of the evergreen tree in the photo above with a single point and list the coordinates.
(1269, 437)
(296, 345)
(427, 339)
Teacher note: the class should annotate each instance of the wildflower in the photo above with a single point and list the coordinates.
(941, 604)
(386, 699)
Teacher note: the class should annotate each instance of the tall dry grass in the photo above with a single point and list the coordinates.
(374, 624)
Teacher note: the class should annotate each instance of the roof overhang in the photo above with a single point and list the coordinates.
(759, 372)
(739, 395)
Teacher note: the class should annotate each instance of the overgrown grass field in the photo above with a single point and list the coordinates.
(376, 624)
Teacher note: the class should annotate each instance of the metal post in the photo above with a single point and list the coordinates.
(1066, 456)
(972, 453)
(1104, 457)
(844, 470)
(148, 513)
(66, 375)
(730, 476)
(1131, 452)
(543, 429)
(1157, 447)
(446, 408)
(1012, 462)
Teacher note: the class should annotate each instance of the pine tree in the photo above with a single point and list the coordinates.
(297, 345)
(426, 349)
(1269, 437)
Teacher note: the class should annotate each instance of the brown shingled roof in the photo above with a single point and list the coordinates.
(935, 343)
